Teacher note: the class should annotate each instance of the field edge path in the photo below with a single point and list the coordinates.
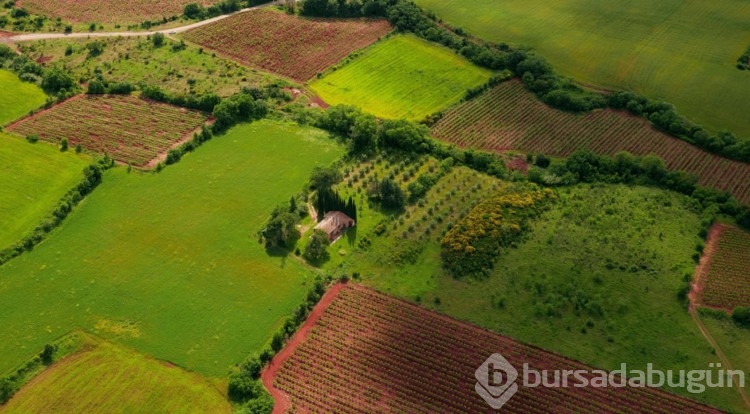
(696, 288)
(281, 400)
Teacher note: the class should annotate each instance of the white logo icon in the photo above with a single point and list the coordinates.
(496, 381)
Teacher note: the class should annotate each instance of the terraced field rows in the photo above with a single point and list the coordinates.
(130, 129)
(509, 117)
(369, 352)
(286, 44)
(106, 11)
(728, 279)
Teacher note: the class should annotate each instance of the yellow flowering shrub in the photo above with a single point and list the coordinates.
(471, 246)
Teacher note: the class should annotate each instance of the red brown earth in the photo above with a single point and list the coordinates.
(288, 45)
(366, 352)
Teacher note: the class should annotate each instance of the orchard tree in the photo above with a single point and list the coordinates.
(323, 178)
(281, 230)
(316, 250)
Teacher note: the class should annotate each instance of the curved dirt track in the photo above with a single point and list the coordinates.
(281, 400)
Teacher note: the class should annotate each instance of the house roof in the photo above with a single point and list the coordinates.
(334, 220)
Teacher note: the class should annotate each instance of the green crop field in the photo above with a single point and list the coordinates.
(581, 284)
(110, 378)
(401, 77)
(682, 52)
(33, 177)
(169, 263)
(136, 60)
(18, 97)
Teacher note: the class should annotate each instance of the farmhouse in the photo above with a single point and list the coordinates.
(334, 223)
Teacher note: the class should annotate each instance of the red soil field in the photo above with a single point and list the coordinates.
(288, 45)
(368, 352)
(726, 283)
(107, 11)
(509, 117)
(130, 129)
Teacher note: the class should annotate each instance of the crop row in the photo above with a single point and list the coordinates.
(105, 11)
(728, 280)
(129, 129)
(289, 45)
(444, 205)
(372, 353)
(510, 118)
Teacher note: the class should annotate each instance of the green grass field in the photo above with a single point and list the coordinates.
(733, 341)
(33, 177)
(169, 263)
(136, 60)
(624, 280)
(682, 52)
(106, 377)
(401, 77)
(18, 97)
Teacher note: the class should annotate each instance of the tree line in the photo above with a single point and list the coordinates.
(537, 75)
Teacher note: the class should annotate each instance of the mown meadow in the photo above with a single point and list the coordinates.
(33, 177)
(169, 263)
(401, 77)
(18, 97)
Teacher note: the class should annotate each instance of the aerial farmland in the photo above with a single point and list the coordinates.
(419, 206)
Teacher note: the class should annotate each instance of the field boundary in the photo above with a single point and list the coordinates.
(36, 112)
(704, 266)
(160, 157)
(268, 375)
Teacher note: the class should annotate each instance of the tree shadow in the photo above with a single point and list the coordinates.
(351, 235)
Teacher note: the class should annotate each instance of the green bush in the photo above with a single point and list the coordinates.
(741, 316)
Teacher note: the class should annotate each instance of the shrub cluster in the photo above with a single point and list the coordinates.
(741, 316)
(471, 247)
(743, 62)
(54, 80)
(205, 103)
(344, 8)
(100, 86)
